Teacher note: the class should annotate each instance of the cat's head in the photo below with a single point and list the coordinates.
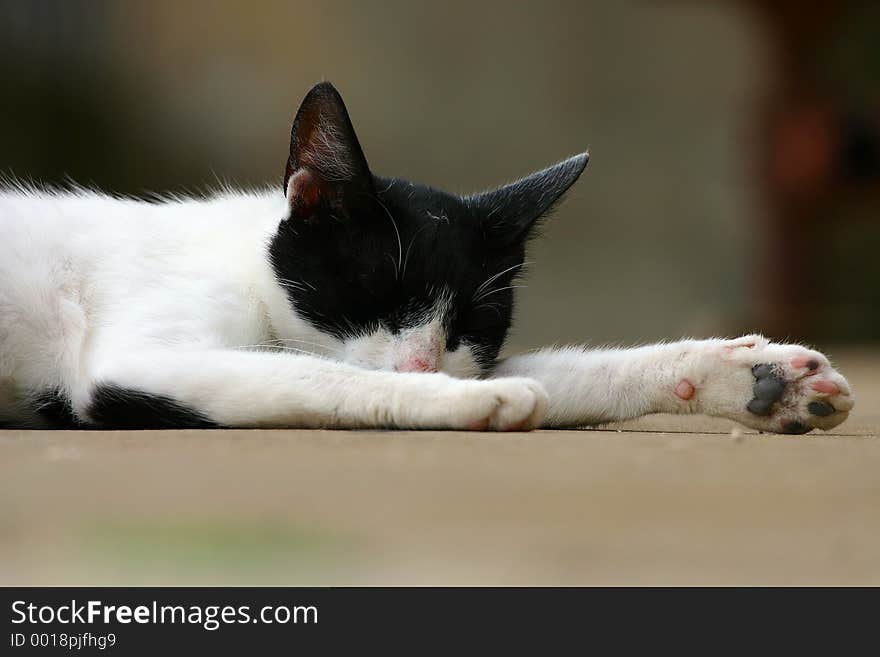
(402, 276)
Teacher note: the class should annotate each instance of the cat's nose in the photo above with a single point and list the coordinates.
(417, 365)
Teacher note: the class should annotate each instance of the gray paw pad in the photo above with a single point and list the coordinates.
(822, 409)
(768, 389)
(795, 427)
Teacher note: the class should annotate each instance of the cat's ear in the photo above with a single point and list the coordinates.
(509, 213)
(326, 163)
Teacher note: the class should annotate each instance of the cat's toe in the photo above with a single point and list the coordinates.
(521, 405)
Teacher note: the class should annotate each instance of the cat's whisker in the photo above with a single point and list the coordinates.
(276, 343)
(495, 277)
(294, 350)
(393, 264)
(494, 306)
(498, 289)
(275, 347)
(300, 285)
(314, 344)
(494, 210)
(409, 248)
(397, 232)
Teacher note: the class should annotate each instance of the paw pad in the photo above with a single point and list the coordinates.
(767, 390)
(805, 361)
(822, 409)
(828, 387)
(794, 427)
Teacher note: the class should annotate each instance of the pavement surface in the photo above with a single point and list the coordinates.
(661, 500)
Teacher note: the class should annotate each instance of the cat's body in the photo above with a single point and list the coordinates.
(87, 277)
(351, 301)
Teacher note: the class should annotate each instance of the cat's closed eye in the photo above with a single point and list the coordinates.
(482, 325)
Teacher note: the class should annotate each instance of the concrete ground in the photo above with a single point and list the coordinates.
(663, 500)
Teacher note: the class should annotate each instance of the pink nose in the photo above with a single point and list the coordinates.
(417, 365)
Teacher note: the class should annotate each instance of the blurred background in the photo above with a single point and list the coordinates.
(735, 145)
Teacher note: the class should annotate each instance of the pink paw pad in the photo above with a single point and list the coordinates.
(809, 362)
(828, 387)
(684, 389)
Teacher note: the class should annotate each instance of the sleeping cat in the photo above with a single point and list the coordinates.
(344, 300)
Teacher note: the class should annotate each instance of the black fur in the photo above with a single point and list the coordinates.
(120, 408)
(360, 251)
(54, 408)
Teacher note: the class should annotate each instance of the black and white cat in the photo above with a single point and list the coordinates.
(344, 300)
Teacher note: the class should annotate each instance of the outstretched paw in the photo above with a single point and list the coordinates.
(800, 391)
(776, 387)
(507, 404)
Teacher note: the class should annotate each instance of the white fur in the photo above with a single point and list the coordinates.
(177, 298)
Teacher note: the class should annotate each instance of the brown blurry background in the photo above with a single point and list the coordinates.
(733, 183)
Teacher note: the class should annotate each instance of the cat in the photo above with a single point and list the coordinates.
(342, 300)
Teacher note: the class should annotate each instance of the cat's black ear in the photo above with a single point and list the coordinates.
(509, 213)
(326, 163)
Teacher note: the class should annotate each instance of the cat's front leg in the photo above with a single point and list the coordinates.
(765, 386)
(174, 388)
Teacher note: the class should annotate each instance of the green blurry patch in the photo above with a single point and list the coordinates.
(216, 552)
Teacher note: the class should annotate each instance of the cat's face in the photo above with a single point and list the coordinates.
(403, 276)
